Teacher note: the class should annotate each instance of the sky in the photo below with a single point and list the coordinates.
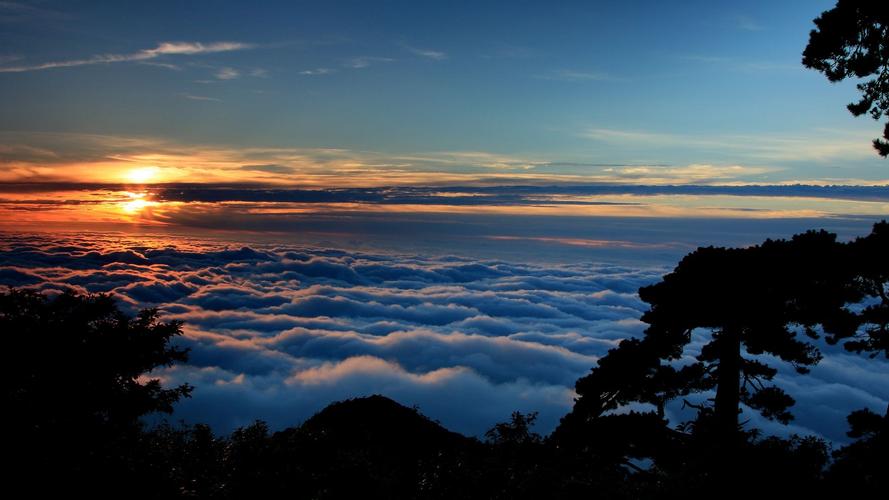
(377, 93)
(418, 198)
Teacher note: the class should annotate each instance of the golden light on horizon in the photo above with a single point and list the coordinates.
(137, 203)
(142, 175)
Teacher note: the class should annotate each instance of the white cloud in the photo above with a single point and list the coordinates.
(74, 156)
(810, 145)
(435, 55)
(279, 331)
(187, 48)
(316, 71)
(227, 74)
(315, 325)
(568, 75)
(688, 174)
(163, 49)
(199, 97)
(365, 62)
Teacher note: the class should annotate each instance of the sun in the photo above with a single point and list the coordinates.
(137, 203)
(135, 206)
(142, 175)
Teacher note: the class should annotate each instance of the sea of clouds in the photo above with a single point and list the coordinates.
(277, 332)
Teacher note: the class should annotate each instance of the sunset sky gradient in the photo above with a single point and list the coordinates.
(364, 93)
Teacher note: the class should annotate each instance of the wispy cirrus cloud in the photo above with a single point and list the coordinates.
(742, 65)
(689, 174)
(45, 157)
(190, 48)
(269, 168)
(227, 74)
(163, 49)
(174, 67)
(316, 71)
(435, 55)
(193, 97)
(502, 50)
(747, 23)
(17, 12)
(568, 75)
(812, 145)
(365, 61)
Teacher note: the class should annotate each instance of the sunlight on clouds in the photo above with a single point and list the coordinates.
(245, 209)
(364, 366)
(63, 208)
(689, 174)
(137, 204)
(97, 158)
(68, 157)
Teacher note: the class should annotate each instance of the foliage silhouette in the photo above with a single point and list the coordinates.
(739, 304)
(868, 255)
(75, 385)
(744, 303)
(859, 469)
(516, 432)
(852, 41)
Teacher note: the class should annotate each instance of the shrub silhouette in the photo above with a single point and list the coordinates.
(75, 385)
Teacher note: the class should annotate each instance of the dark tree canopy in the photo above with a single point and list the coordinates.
(772, 298)
(752, 301)
(852, 41)
(79, 357)
(870, 257)
(859, 469)
(75, 380)
(515, 432)
(735, 304)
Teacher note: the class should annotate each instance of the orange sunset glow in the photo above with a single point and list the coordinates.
(142, 175)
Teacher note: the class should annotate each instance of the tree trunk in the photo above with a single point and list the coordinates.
(885, 429)
(728, 401)
(728, 390)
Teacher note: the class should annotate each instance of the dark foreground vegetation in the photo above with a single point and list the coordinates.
(76, 386)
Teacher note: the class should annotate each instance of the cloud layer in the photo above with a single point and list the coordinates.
(92, 158)
(279, 331)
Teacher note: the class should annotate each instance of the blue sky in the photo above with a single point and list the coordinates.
(579, 83)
